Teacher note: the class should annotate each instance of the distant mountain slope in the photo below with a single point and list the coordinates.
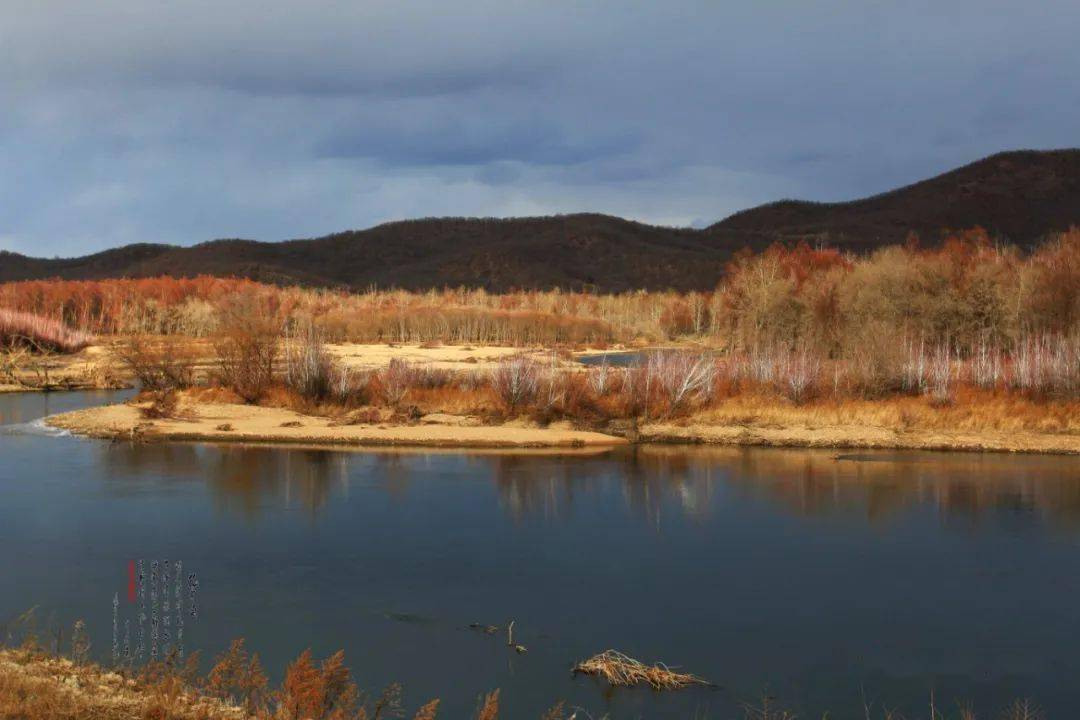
(1021, 196)
(571, 251)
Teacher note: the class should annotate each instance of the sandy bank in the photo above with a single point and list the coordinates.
(230, 423)
(97, 368)
(244, 423)
(863, 437)
(448, 357)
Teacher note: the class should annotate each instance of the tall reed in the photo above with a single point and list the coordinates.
(39, 333)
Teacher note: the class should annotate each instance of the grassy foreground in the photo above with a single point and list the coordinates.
(36, 685)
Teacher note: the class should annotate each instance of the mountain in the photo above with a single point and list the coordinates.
(1017, 196)
(571, 251)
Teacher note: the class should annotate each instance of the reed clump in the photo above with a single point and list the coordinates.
(39, 334)
(621, 670)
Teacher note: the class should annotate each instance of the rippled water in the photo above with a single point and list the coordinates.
(812, 576)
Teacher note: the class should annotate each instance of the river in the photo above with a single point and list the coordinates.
(819, 578)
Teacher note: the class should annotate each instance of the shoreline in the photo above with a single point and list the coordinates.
(851, 437)
(244, 424)
(63, 387)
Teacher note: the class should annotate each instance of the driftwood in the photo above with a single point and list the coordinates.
(621, 670)
(520, 649)
(493, 629)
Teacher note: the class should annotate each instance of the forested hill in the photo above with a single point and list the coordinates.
(1018, 196)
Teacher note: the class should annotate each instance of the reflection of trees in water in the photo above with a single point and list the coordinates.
(393, 471)
(879, 485)
(538, 486)
(242, 479)
(531, 486)
(651, 480)
(138, 460)
(875, 486)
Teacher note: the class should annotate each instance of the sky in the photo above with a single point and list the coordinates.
(180, 121)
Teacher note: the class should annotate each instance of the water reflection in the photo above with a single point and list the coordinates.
(877, 486)
(243, 480)
(527, 488)
(651, 480)
(812, 574)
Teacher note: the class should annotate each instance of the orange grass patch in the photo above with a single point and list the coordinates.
(972, 410)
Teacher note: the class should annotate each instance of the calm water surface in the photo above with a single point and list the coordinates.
(797, 573)
(615, 358)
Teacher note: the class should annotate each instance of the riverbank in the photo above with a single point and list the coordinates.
(854, 437)
(97, 367)
(975, 421)
(857, 427)
(226, 422)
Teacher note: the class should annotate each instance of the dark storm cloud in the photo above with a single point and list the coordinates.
(477, 140)
(145, 120)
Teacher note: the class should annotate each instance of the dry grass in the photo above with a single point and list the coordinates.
(213, 394)
(163, 404)
(454, 400)
(620, 670)
(972, 410)
(23, 329)
(488, 707)
(35, 686)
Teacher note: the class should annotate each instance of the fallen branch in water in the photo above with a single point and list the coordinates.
(520, 649)
(619, 669)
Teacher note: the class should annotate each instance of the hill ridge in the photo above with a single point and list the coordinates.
(1019, 195)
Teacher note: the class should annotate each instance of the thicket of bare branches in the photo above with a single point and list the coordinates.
(157, 363)
(516, 382)
(682, 378)
(247, 346)
(313, 373)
